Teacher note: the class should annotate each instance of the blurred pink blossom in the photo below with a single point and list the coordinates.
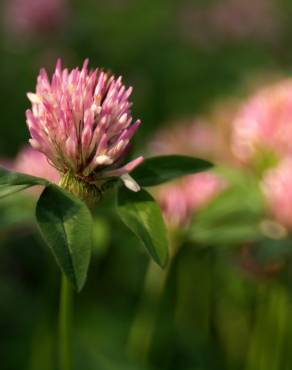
(81, 120)
(277, 187)
(239, 19)
(230, 20)
(186, 137)
(179, 200)
(35, 163)
(7, 163)
(264, 123)
(34, 17)
(32, 162)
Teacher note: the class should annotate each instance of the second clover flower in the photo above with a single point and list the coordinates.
(81, 120)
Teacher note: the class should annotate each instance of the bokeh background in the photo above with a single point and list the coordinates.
(224, 302)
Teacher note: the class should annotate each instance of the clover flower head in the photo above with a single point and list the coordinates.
(263, 124)
(81, 120)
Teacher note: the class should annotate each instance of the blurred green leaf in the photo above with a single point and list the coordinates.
(268, 349)
(233, 216)
(16, 211)
(66, 225)
(142, 215)
(157, 170)
(12, 182)
(9, 178)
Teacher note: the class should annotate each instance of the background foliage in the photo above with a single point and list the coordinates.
(208, 309)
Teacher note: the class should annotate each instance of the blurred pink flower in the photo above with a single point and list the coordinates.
(240, 19)
(179, 200)
(264, 123)
(7, 163)
(196, 137)
(31, 17)
(277, 187)
(82, 122)
(230, 20)
(35, 163)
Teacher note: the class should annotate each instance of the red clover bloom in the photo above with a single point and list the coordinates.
(263, 124)
(81, 120)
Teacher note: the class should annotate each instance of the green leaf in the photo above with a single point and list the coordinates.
(157, 170)
(142, 215)
(12, 182)
(231, 234)
(233, 216)
(16, 211)
(66, 225)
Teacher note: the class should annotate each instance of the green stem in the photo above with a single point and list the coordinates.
(143, 326)
(65, 314)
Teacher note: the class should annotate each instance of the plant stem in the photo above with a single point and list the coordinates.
(65, 325)
(143, 326)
